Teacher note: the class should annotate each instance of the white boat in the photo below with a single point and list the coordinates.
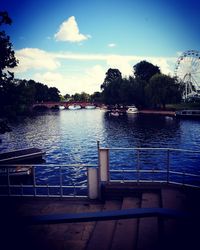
(132, 110)
(114, 113)
(90, 107)
(74, 107)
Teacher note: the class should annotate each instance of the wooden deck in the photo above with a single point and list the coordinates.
(140, 234)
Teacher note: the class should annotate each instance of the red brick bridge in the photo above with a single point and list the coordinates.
(63, 104)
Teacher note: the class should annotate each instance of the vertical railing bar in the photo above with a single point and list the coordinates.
(168, 165)
(34, 181)
(22, 190)
(138, 166)
(48, 194)
(61, 189)
(74, 190)
(8, 175)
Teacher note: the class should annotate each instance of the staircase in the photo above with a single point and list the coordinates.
(144, 233)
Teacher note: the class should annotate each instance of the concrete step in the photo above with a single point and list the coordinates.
(125, 236)
(148, 227)
(177, 234)
(102, 235)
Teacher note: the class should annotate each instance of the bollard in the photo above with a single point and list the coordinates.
(92, 182)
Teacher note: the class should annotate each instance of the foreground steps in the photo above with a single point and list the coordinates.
(125, 236)
(148, 227)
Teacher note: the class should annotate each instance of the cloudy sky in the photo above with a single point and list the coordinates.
(70, 44)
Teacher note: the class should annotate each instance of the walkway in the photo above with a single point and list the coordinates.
(140, 234)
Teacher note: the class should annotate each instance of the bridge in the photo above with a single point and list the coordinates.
(62, 104)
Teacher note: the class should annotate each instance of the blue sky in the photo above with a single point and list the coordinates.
(71, 44)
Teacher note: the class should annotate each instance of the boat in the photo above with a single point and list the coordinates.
(132, 110)
(74, 107)
(21, 155)
(188, 113)
(28, 155)
(90, 106)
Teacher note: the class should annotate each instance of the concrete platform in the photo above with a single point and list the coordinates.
(140, 234)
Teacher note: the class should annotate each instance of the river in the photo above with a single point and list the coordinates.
(70, 137)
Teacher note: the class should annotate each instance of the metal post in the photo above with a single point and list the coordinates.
(104, 165)
(138, 166)
(8, 174)
(168, 166)
(61, 190)
(34, 181)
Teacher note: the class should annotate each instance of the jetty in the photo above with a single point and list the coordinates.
(125, 213)
(21, 155)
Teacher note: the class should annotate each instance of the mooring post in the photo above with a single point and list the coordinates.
(103, 172)
(93, 190)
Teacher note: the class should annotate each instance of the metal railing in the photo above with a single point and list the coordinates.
(142, 165)
(167, 165)
(45, 180)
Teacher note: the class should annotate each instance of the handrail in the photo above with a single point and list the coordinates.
(106, 215)
(161, 149)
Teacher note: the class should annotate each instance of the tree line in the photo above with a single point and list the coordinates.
(146, 88)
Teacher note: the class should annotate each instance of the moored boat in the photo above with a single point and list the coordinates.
(74, 107)
(132, 110)
(90, 106)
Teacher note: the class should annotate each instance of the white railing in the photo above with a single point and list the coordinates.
(47, 180)
(167, 167)
(85, 180)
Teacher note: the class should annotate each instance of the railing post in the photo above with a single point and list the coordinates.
(104, 165)
(103, 168)
(168, 166)
(92, 174)
(138, 166)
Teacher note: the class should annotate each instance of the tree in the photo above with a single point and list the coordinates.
(7, 58)
(53, 94)
(96, 97)
(111, 86)
(145, 70)
(163, 89)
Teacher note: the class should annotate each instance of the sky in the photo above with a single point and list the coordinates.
(70, 44)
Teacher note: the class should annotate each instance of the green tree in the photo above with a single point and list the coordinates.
(111, 87)
(96, 97)
(53, 94)
(145, 70)
(7, 58)
(7, 61)
(163, 89)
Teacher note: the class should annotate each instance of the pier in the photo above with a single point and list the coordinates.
(136, 213)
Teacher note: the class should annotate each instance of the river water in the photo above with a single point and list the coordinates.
(70, 137)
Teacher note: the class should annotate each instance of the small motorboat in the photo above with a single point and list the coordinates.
(114, 113)
(90, 106)
(74, 107)
(132, 110)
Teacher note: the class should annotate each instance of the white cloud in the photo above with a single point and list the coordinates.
(111, 45)
(88, 81)
(32, 58)
(56, 69)
(69, 31)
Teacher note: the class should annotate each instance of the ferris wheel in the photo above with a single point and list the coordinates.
(187, 70)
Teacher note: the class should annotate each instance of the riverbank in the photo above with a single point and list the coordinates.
(157, 112)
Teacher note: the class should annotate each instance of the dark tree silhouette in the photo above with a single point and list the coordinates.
(145, 70)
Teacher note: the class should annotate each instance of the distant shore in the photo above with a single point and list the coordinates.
(157, 112)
